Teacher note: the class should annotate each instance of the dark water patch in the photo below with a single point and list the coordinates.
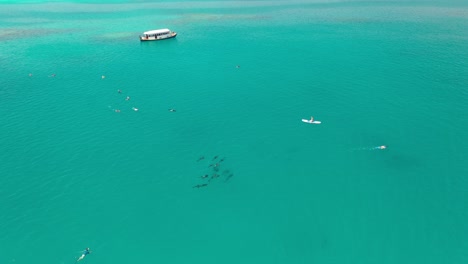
(28, 34)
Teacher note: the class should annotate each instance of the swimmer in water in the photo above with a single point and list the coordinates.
(201, 158)
(117, 110)
(311, 119)
(128, 98)
(83, 255)
(135, 109)
(237, 66)
(172, 110)
(119, 91)
(204, 176)
(215, 157)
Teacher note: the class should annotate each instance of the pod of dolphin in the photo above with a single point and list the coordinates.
(214, 171)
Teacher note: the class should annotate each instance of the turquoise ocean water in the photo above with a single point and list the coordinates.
(76, 174)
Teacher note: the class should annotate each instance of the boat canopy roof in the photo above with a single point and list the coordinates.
(157, 31)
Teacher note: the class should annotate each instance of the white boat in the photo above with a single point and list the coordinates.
(157, 34)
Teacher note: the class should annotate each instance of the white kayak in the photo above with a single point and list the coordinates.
(311, 122)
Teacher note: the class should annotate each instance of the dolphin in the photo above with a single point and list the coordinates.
(228, 177)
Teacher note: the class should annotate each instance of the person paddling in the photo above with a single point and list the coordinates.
(83, 255)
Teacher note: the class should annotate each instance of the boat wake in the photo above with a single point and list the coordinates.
(383, 147)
